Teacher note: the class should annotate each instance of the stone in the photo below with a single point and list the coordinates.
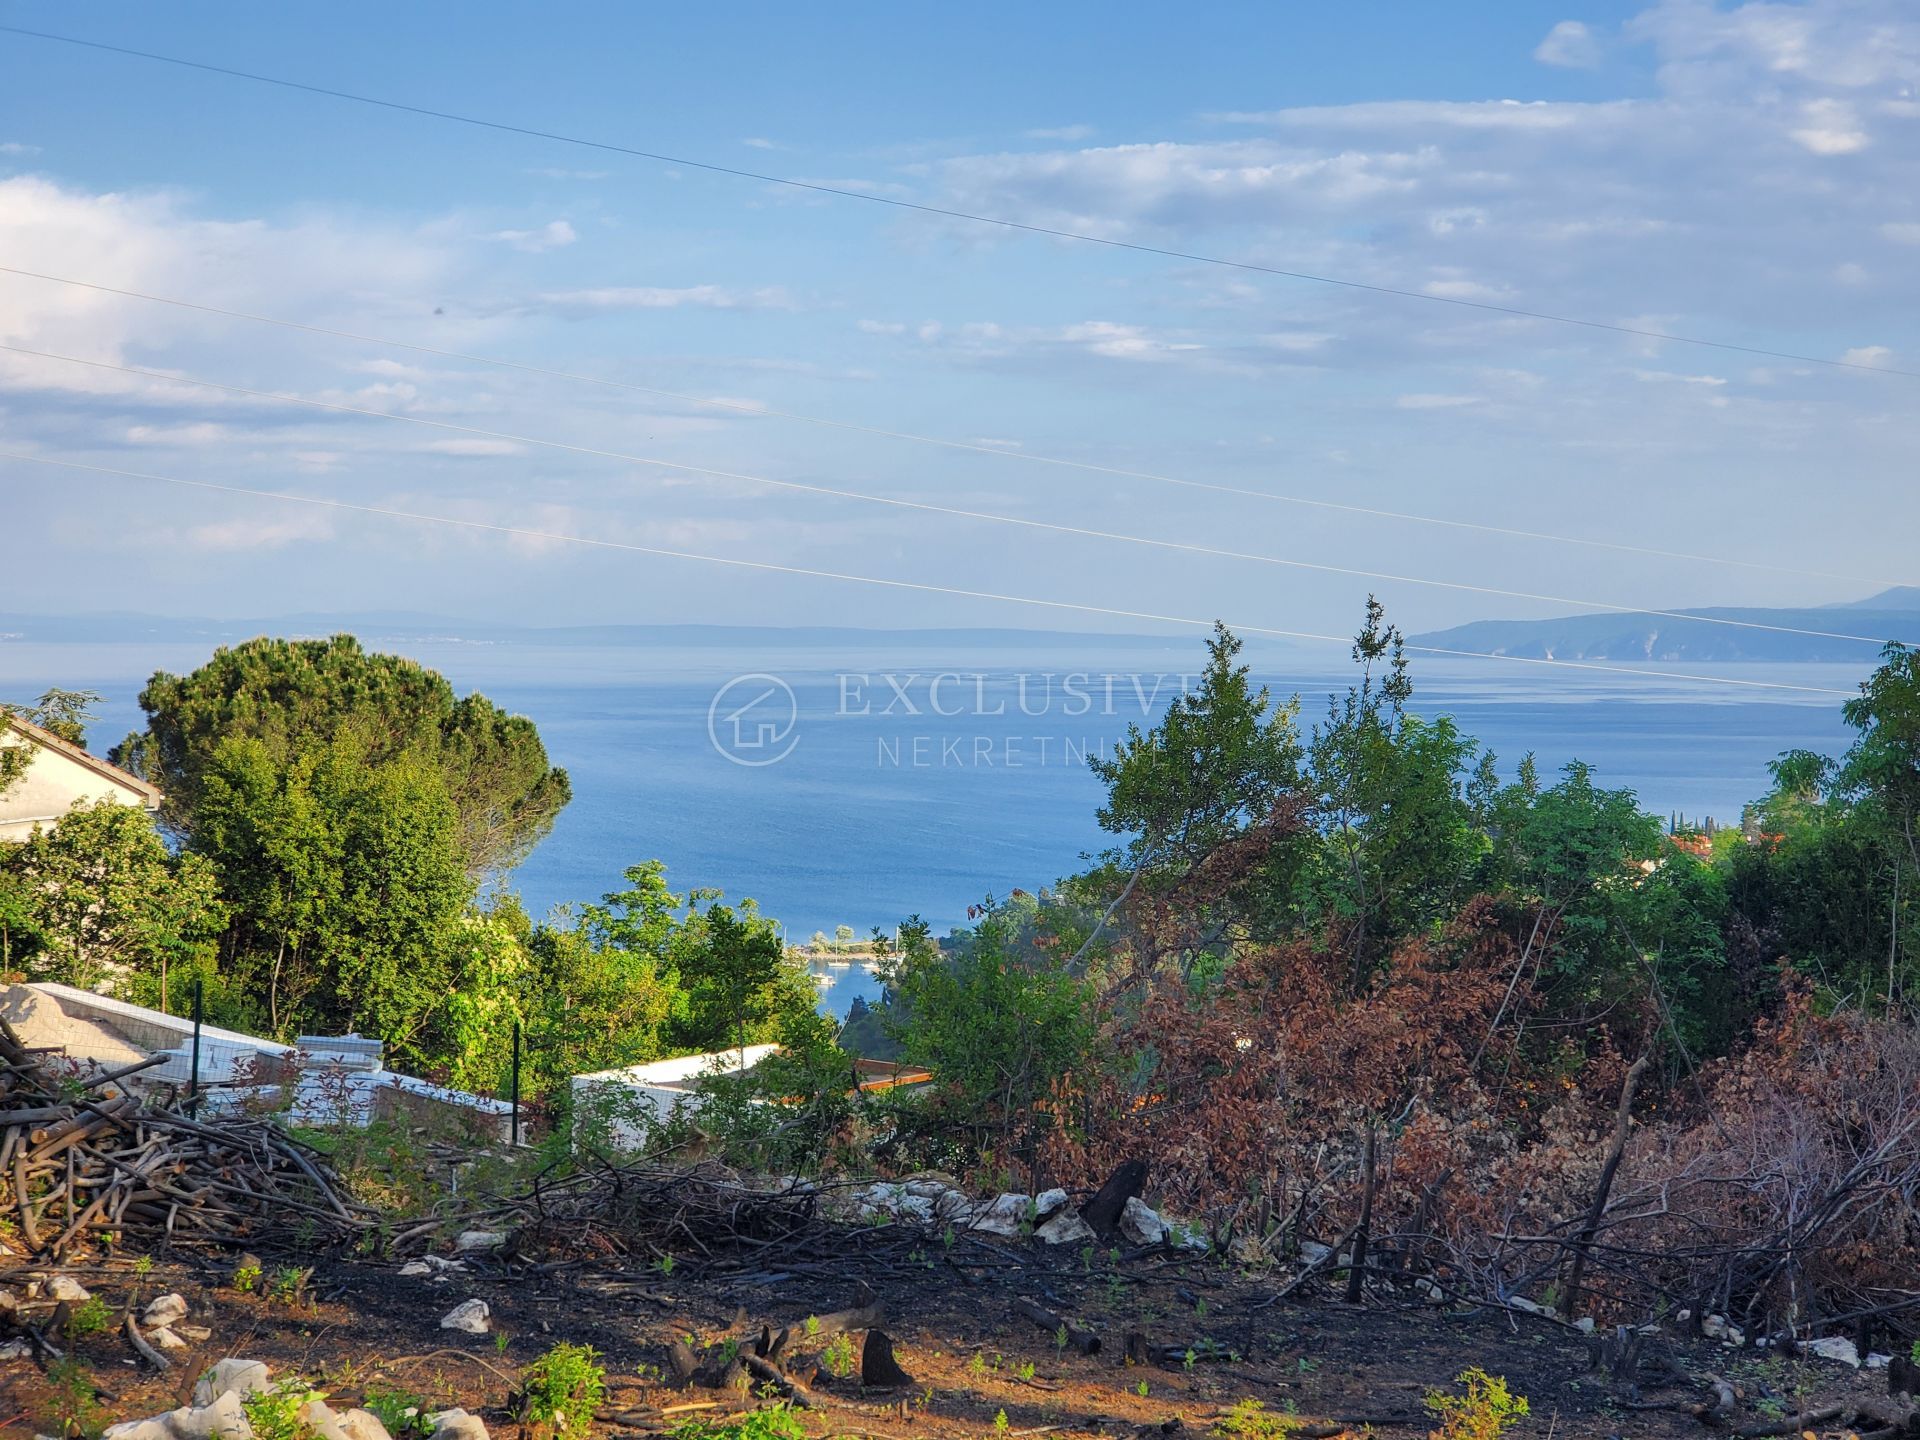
(224, 1419)
(199, 1334)
(1584, 1324)
(1718, 1327)
(165, 1339)
(231, 1376)
(416, 1267)
(1004, 1215)
(1048, 1203)
(1141, 1223)
(363, 1425)
(65, 1287)
(1313, 1252)
(1834, 1347)
(15, 1350)
(951, 1205)
(1066, 1228)
(163, 1311)
(1532, 1307)
(154, 1429)
(1877, 1361)
(319, 1417)
(1188, 1237)
(468, 1315)
(480, 1240)
(457, 1425)
(1248, 1252)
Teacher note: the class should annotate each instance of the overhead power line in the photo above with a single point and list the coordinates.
(842, 192)
(929, 507)
(972, 447)
(926, 587)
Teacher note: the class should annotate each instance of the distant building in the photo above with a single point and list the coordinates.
(59, 776)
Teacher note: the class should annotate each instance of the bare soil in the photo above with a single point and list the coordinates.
(971, 1357)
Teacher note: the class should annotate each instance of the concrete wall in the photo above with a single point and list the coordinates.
(53, 784)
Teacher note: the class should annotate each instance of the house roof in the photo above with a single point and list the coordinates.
(46, 740)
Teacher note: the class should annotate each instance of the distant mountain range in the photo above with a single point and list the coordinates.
(1623, 635)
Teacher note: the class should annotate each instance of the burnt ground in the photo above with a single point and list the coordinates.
(970, 1355)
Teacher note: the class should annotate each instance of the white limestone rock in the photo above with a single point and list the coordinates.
(225, 1418)
(1003, 1215)
(165, 1339)
(232, 1375)
(65, 1287)
(1066, 1228)
(1834, 1347)
(163, 1311)
(1049, 1203)
(363, 1425)
(1141, 1224)
(457, 1425)
(469, 1315)
(480, 1240)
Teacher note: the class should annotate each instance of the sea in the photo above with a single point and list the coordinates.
(863, 779)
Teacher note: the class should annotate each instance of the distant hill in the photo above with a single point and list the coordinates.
(1621, 635)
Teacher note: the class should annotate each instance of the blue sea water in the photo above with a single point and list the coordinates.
(898, 793)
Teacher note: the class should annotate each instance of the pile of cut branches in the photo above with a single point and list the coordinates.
(81, 1155)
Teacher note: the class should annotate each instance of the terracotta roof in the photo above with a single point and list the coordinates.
(47, 740)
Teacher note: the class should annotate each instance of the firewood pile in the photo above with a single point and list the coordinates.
(648, 1212)
(83, 1156)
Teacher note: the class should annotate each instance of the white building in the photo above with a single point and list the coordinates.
(629, 1101)
(59, 776)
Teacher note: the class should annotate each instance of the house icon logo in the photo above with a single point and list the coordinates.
(754, 720)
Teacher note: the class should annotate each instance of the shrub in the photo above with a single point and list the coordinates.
(1486, 1412)
(560, 1391)
(776, 1422)
(275, 1414)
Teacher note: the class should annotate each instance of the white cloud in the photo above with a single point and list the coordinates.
(554, 173)
(662, 297)
(551, 236)
(1571, 45)
(1436, 402)
(1066, 133)
(264, 533)
(204, 432)
(15, 147)
(474, 448)
(1867, 355)
(760, 142)
(1831, 128)
(1902, 233)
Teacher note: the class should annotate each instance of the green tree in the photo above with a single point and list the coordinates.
(107, 902)
(1396, 827)
(1000, 1021)
(296, 697)
(1221, 758)
(347, 884)
(731, 975)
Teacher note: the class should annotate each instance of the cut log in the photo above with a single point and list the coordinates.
(1084, 1342)
(878, 1369)
(1103, 1211)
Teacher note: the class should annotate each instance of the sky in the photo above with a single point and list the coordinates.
(1747, 173)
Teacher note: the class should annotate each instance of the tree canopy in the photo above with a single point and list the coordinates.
(295, 698)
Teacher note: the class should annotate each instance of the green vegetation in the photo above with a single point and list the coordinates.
(275, 1414)
(560, 1391)
(1251, 1420)
(771, 1422)
(75, 1412)
(1486, 1412)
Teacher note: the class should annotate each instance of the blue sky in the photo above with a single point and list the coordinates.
(1745, 172)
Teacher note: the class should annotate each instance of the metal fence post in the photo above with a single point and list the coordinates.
(193, 1078)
